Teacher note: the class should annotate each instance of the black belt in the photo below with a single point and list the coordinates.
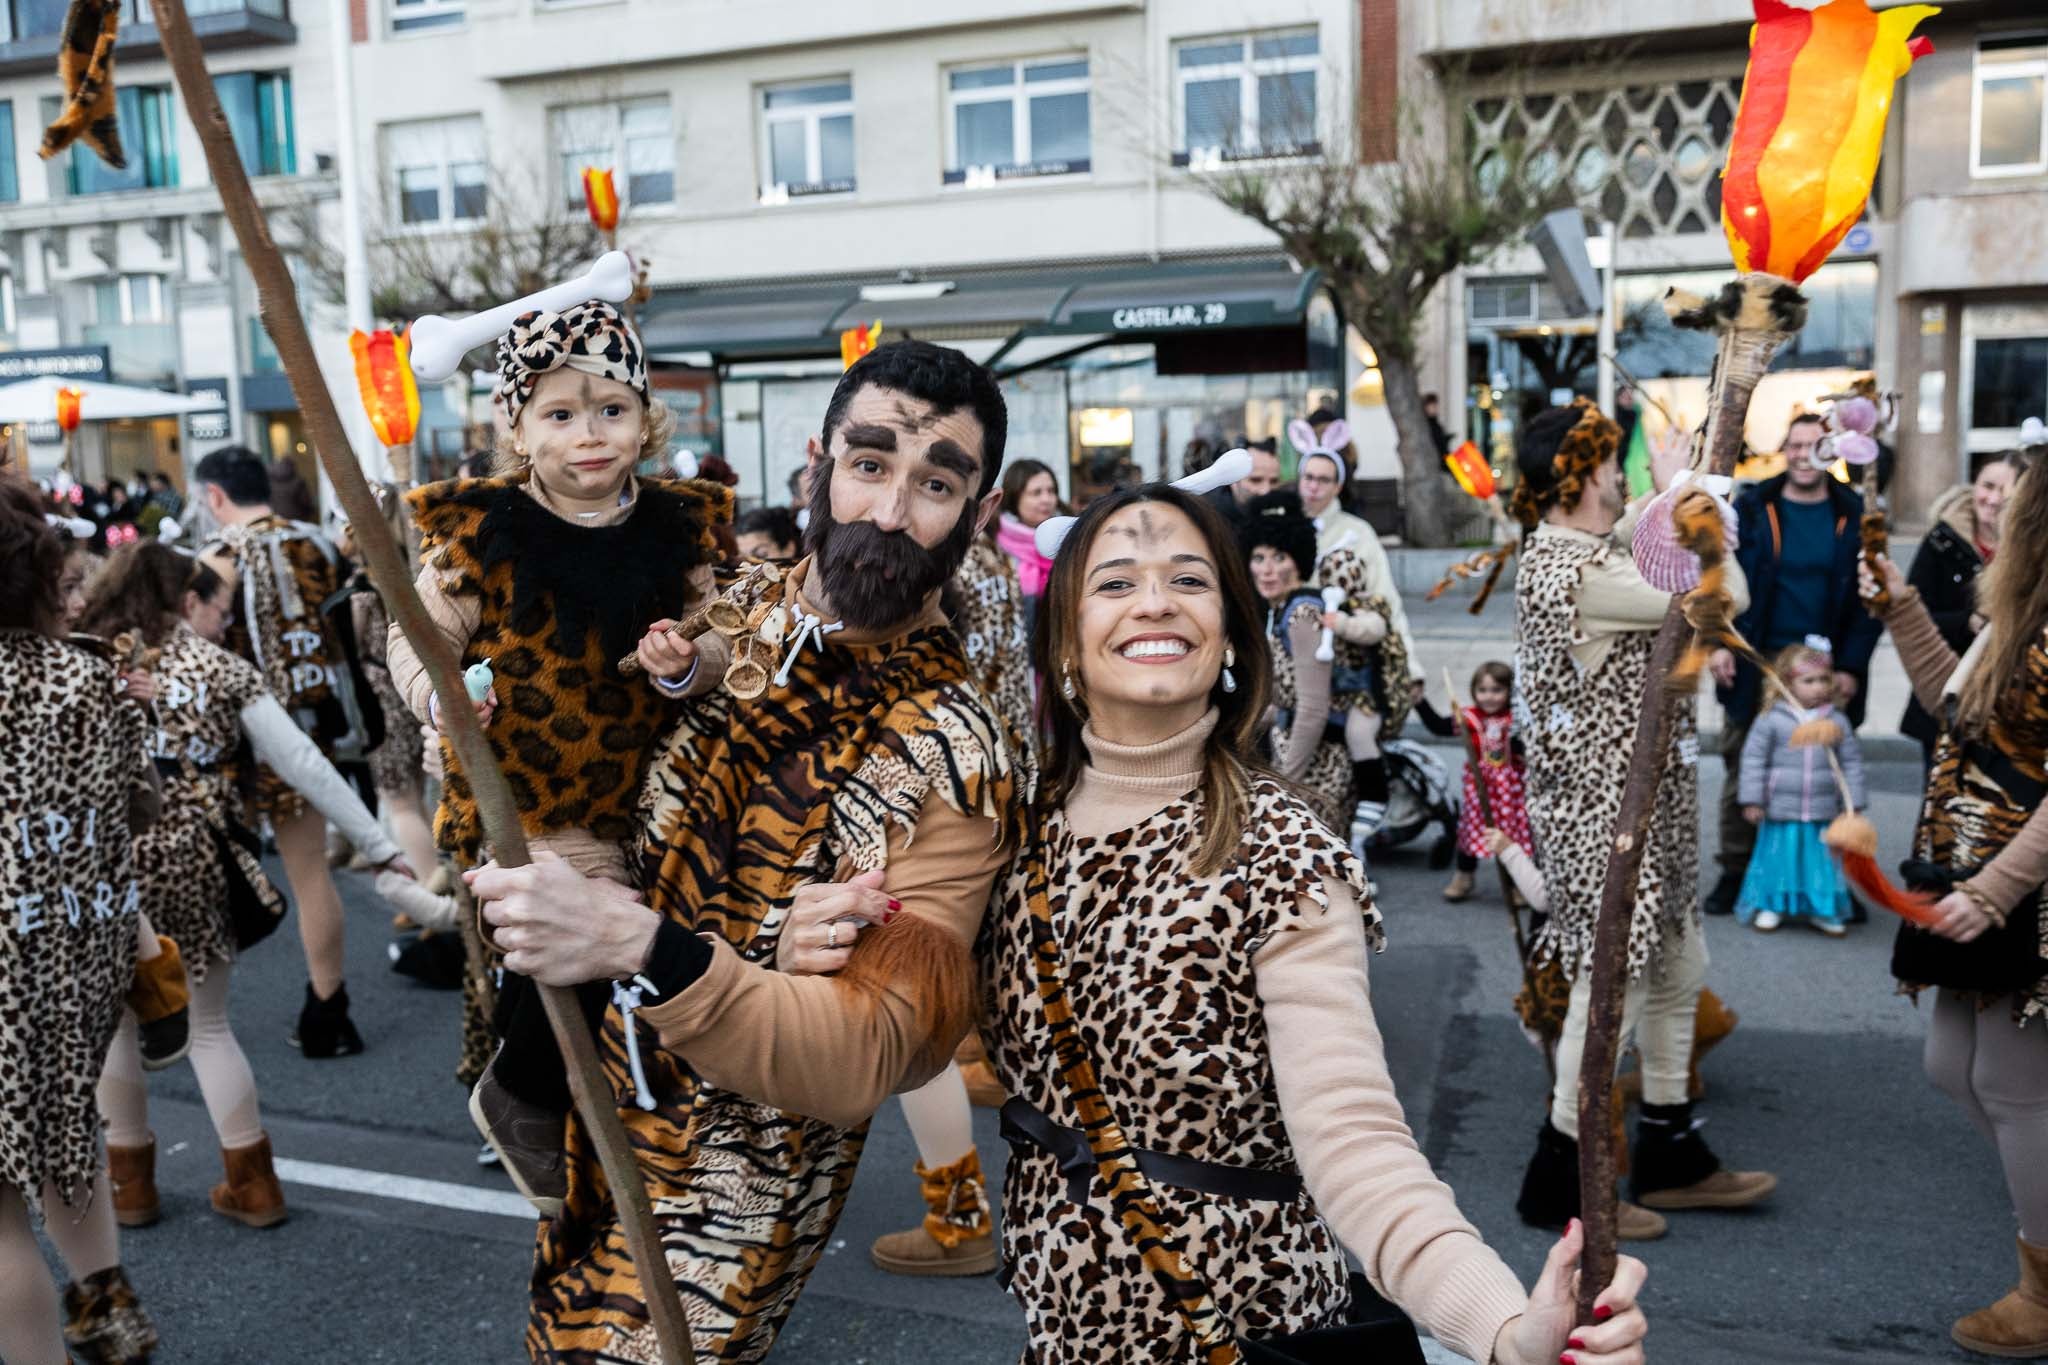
(1024, 1126)
(2023, 790)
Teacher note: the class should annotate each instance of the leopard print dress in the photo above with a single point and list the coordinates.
(1967, 818)
(1327, 779)
(1159, 969)
(990, 623)
(201, 690)
(71, 754)
(1578, 730)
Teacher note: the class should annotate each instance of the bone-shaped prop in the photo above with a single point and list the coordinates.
(438, 344)
(1228, 468)
(1326, 647)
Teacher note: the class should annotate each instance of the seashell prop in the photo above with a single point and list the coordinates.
(1665, 564)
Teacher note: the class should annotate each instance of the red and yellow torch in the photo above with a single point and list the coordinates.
(1469, 467)
(68, 400)
(1806, 139)
(856, 342)
(1471, 470)
(601, 199)
(390, 394)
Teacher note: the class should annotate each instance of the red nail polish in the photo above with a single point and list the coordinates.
(1567, 1359)
(1576, 1344)
(1602, 1313)
(894, 905)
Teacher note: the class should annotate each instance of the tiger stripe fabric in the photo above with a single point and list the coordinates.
(745, 803)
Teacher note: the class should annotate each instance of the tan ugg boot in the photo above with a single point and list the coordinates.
(132, 1172)
(2016, 1327)
(250, 1195)
(158, 988)
(956, 1237)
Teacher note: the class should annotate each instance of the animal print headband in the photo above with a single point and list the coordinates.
(1230, 466)
(1330, 445)
(591, 338)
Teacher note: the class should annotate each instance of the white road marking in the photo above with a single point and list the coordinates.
(441, 1194)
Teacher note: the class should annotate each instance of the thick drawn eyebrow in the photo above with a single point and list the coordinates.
(949, 455)
(871, 436)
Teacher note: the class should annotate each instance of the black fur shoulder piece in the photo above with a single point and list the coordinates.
(615, 579)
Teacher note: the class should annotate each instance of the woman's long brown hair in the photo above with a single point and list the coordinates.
(143, 589)
(1227, 765)
(2013, 596)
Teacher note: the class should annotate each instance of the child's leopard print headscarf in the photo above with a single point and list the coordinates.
(591, 337)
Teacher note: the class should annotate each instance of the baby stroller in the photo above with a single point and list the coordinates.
(1418, 796)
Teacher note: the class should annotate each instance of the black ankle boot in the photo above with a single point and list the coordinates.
(1721, 900)
(1369, 779)
(1550, 1187)
(324, 1028)
(1669, 1153)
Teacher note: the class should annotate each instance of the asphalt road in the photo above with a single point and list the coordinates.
(1891, 1219)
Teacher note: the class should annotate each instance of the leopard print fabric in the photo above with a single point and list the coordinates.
(1967, 818)
(1578, 730)
(746, 802)
(1327, 780)
(1158, 965)
(201, 690)
(1343, 569)
(992, 631)
(394, 764)
(71, 753)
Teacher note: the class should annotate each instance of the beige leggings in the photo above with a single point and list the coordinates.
(1658, 1010)
(941, 1122)
(225, 1081)
(31, 1330)
(1998, 1072)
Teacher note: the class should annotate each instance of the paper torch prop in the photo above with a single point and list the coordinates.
(390, 394)
(67, 409)
(1469, 467)
(856, 342)
(1806, 138)
(601, 198)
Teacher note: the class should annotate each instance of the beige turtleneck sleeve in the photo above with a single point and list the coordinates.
(1354, 1148)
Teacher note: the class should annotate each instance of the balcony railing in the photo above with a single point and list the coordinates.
(30, 30)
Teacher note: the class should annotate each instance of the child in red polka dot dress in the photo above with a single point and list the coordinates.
(1490, 723)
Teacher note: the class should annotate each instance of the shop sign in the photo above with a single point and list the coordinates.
(73, 362)
(1169, 317)
(211, 425)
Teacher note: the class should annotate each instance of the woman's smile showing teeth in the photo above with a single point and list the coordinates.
(1155, 649)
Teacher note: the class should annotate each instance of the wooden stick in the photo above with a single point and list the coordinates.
(278, 305)
(1753, 323)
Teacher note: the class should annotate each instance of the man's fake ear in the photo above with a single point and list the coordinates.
(991, 504)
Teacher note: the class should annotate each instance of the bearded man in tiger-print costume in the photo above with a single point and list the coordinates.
(870, 750)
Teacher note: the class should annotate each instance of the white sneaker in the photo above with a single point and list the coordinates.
(1766, 921)
(1833, 928)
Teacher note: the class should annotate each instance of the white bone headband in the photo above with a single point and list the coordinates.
(1229, 467)
(78, 528)
(438, 344)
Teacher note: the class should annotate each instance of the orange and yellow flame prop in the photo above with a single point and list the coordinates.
(390, 394)
(1806, 139)
(67, 408)
(856, 342)
(1471, 470)
(601, 198)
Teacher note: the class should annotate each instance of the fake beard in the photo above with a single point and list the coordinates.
(877, 578)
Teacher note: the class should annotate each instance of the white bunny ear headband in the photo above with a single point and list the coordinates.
(1330, 445)
(1230, 466)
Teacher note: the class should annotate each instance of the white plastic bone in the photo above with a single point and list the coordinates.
(1228, 468)
(1326, 647)
(438, 344)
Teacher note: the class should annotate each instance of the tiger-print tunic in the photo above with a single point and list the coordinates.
(1966, 818)
(1159, 970)
(1578, 730)
(561, 604)
(1327, 779)
(201, 690)
(70, 755)
(745, 803)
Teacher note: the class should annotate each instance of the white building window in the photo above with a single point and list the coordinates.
(1247, 95)
(2009, 133)
(806, 140)
(437, 170)
(634, 139)
(411, 16)
(1017, 119)
(128, 300)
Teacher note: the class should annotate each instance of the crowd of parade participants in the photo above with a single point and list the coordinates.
(923, 788)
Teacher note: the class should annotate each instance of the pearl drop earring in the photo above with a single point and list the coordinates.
(1067, 688)
(1229, 682)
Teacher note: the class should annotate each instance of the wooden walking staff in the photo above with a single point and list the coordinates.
(278, 305)
(1801, 159)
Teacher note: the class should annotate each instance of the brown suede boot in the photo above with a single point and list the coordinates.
(250, 1195)
(955, 1237)
(132, 1172)
(104, 1323)
(2016, 1327)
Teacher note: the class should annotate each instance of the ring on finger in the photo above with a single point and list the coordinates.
(832, 934)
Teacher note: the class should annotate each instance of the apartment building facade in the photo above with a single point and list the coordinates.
(132, 276)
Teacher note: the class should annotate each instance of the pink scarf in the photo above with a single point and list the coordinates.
(1019, 543)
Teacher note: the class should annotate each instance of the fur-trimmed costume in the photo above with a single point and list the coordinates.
(71, 769)
(561, 603)
(992, 630)
(748, 801)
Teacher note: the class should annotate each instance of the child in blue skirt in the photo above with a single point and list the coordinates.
(1792, 793)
